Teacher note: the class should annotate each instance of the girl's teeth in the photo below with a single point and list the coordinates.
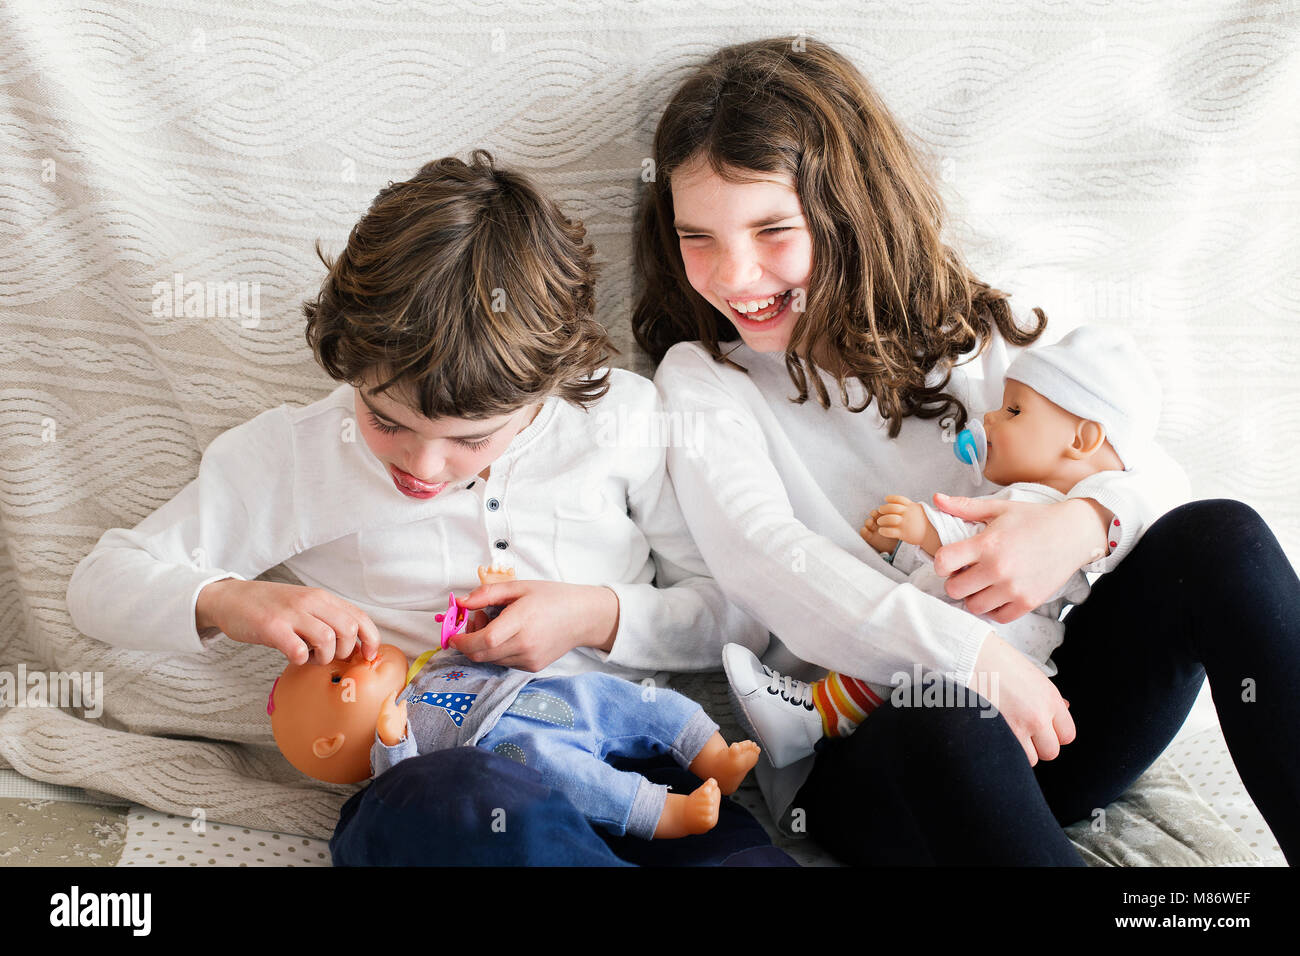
(758, 306)
(753, 306)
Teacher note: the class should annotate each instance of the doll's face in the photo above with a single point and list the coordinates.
(1027, 437)
(423, 456)
(745, 246)
(323, 715)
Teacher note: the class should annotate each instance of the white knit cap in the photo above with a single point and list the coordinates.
(1098, 374)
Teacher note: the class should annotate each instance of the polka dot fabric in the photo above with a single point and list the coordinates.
(163, 839)
(1204, 760)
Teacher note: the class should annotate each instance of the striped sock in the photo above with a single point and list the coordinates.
(843, 703)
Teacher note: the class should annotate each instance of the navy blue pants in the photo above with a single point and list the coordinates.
(1206, 591)
(471, 806)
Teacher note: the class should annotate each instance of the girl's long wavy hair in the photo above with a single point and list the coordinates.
(887, 299)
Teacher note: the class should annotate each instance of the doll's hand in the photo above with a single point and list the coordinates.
(902, 519)
(391, 725)
(870, 533)
(542, 621)
(297, 621)
(1024, 555)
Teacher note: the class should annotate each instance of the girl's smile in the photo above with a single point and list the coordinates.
(746, 249)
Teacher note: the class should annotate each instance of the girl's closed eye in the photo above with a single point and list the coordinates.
(1013, 410)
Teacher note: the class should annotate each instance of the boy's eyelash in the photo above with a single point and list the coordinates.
(383, 426)
(388, 429)
(1013, 411)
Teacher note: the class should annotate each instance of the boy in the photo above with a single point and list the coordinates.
(459, 319)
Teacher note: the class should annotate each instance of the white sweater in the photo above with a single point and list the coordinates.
(775, 493)
(578, 496)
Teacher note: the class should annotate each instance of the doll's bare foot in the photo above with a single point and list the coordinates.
(691, 813)
(727, 765)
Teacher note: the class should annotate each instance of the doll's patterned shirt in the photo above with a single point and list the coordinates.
(452, 702)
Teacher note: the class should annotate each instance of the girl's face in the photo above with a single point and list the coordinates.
(746, 249)
(425, 455)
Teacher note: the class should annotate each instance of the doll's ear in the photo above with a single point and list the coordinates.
(327, 746)
(1089, 436)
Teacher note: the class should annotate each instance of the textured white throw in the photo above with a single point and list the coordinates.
(1133, 164)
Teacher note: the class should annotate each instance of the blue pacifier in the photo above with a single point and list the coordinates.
(972, 447)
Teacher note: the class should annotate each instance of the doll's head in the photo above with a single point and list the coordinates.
(789, 208)
(1088, 403)
(463, 299)
(323, 715)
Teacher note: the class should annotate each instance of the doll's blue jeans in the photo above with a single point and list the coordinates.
(470, 806)
(566, 727)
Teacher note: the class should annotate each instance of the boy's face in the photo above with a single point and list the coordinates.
(1027, 436)
(425, 455)
(744, 244)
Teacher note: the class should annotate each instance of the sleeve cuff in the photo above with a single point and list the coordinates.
(1121, 532)
(970, 651)
(633, 606)
(208, 634)
(384, 757)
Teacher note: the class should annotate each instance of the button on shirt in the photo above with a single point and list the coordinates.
(577, 500)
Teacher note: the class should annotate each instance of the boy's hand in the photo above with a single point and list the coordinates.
(902, 519)
(297, 621)
(392, 721)
(542, 621)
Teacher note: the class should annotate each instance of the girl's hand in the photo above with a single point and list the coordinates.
(297, 621)
(1024, 555)
(1030, 703)
(542, 621)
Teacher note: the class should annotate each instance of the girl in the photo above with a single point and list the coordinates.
(790, 213)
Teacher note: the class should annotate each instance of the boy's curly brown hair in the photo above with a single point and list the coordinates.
(469, 291)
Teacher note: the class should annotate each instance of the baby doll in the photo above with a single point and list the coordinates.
(340, 722)
(1087, 404)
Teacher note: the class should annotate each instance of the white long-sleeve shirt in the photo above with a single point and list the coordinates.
(775, 492)
(579, 496)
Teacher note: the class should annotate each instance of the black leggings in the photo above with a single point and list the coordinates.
(1207, 591)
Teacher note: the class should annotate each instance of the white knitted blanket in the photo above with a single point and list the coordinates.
(1126, 163)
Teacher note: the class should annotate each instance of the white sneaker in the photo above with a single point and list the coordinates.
(778, 711)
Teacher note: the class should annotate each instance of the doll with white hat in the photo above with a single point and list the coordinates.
(1088, 403)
